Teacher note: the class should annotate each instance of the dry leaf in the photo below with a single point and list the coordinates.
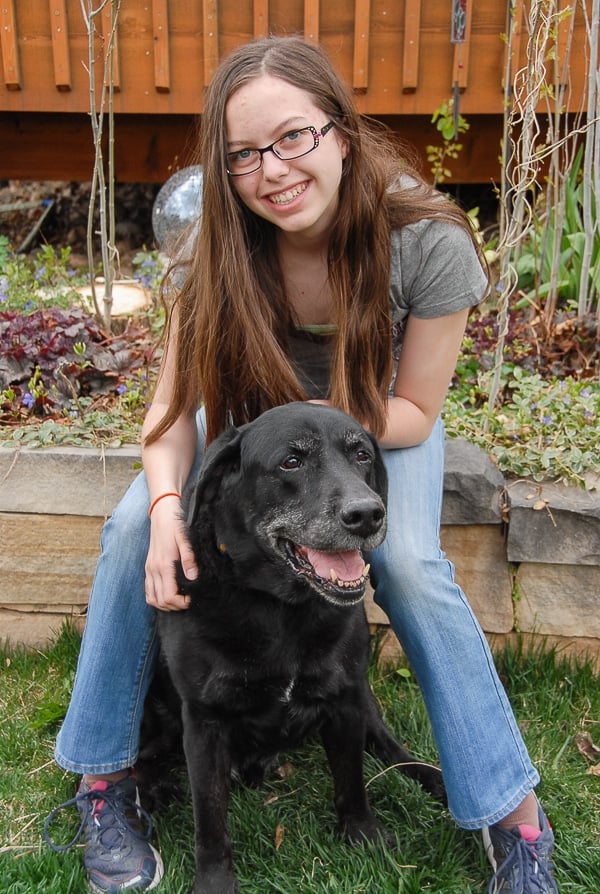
(586, 746)
(285, 770)
(594, 771)
(278, 837)
(540, 504)
(270, 799)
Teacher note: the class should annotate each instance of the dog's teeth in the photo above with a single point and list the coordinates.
(348, 584)
(366, 570)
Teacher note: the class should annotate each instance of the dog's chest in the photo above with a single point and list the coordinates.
(276, 704)
(286, 695)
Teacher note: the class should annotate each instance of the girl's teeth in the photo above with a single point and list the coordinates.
(283, 197)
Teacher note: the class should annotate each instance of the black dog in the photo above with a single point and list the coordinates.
(275, 643)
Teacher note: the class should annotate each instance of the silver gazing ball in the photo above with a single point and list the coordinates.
(177, 204)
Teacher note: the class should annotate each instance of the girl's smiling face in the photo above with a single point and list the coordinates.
(300, 195)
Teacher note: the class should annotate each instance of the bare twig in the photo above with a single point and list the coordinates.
(106, 204)
(542, 81)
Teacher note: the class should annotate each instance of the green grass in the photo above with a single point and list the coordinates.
(283, 833)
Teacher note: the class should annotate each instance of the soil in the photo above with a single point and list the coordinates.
(56, 213)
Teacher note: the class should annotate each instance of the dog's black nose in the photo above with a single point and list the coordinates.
(363, 517)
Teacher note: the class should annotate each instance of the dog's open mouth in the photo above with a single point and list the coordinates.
(339, 576)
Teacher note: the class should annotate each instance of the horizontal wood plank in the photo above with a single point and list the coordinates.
(149, 148)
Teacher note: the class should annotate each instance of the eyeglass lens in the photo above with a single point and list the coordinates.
(292, 145)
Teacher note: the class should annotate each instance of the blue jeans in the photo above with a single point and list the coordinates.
(486, 767)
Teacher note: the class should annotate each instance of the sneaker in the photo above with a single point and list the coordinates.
(521, 859)
(118, 855)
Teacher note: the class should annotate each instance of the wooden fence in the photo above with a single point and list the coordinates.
(397, 55)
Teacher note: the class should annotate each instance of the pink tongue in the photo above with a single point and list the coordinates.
(347, 565)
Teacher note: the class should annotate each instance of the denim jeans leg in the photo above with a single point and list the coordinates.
(484, 760)
(100, 733)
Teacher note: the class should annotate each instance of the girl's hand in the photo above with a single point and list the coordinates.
(168, 544)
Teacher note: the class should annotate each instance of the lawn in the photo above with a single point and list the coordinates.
(283, 833)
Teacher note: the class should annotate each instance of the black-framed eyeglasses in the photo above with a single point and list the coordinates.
(294, 144)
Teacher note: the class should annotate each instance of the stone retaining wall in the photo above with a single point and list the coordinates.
(528, 556)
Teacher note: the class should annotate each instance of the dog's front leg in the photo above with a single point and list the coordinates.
(343, 737)
(209, 767)
(382, 743)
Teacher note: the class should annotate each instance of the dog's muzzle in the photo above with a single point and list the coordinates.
(340, 577)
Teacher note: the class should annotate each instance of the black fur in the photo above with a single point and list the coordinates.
(269, 649)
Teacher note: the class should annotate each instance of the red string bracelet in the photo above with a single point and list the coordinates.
(170, 493)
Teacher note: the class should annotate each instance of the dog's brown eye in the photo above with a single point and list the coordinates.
(291, 462)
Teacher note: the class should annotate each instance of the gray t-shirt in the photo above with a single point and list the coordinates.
(434, 272)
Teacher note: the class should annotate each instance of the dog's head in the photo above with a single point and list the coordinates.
(292, 501)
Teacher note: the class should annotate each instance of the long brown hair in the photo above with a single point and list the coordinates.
(233, 314)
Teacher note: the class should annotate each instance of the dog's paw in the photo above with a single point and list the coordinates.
(216, 881)
(361, 832)
(433, 782)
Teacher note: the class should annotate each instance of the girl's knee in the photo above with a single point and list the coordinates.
(413, 580)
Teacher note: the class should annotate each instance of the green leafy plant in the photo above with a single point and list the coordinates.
(63, 379)
(544, 429)
(97, 427)
(149, 269)
(449, 125)
(550, 257)
(59, 366)
(29, 282)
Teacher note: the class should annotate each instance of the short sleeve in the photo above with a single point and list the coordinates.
(435, 271)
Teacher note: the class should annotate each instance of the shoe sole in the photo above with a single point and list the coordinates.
(489, 852)
(160, 870)
(489, 848)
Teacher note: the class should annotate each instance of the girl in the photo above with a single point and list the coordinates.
(323, 268)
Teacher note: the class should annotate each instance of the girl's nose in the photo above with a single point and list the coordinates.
(274, 167)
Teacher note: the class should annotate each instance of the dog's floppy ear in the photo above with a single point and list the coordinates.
(221, 456)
